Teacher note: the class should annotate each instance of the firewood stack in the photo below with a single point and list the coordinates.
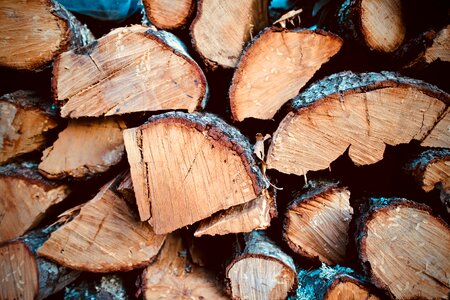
(225, 149)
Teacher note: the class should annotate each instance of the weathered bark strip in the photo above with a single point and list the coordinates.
(107, 287)
(262, 270)
(253, 215)
(84, 148)
(174, 276)
(316, 224)
(105, 236)
(25, 198)
(363, 112)
(169, 14)
(24, 275)
(404, 249)
(185, 167)
(277, 64)
(332, 283)
(376, 24)
(25, 118)
(130, 69)
(33, 33)
(222, 28)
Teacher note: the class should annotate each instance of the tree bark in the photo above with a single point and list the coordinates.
(154, 63)
(169, 15)
(362, 112)
(103, 287)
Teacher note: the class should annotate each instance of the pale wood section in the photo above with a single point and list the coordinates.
(326, 122)
(84, 148)
(262, 271)
(275, 67)
(18, 272)
(185, 167)
(253, 215)
(169, 14)
(25, 118)
(440, 49)
(222, 28)
(382, 24)
(130, 69)
(317, 224)
(25, 198)
(440, 134)
(105, 236)
(407, 251)
(349, 291)
(34, 32)
(173, 276)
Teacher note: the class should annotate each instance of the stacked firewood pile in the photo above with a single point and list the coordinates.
(226, 149)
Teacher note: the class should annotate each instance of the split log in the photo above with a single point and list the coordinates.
(277, 64)
(222, 28)
(25, 118)
(26, 196)
(173, 276)
(128, 70)
(261, 271)
(253, 215)
(104, 287)
(332, 283)
(24, 275)
(99, 146)
(404, 249)
(362, 112)
(33, 33)
(439, 135)
(105, 236)
(185, 167)
(316, 223)
(167, 14)
(378, 25)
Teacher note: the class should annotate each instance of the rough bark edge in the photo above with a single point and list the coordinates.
(410, 54)
(220, 131)
(243, 59)
(324, 188)
(29, 172)
(28, 99)
(180, 24)
(376, 206)
(105, 286)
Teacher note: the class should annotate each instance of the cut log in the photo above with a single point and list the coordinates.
(185, 167)
(26, 196)
(376, 24)
(33, 33)
(128, 70)
(104, 287)
(439, 136)
(440, 49)
(25, 118)
(316, 224)
(24, 275)
(261, 271)
(333, 283)
(278, 63)
(431, 167)
(173, 276)
(404, 249)
(105, 236)
(363, 112)
(222, 28)
(167, 14)
(253, 215)
(99, 146)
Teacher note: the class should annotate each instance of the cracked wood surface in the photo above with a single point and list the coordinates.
(277, 64)
(169, 14)
(404, 248)
(185, 167)
(128, 70)
(105, 236)
(222, 28)
(363, 112)
(99, 146)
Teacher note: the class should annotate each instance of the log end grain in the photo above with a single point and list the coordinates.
(169, 15)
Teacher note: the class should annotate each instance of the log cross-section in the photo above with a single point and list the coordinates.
(169, 14)
(185, 167)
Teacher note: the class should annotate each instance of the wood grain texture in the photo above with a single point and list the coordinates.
(185, 167)
(130, 69)
(277, 64)
(439, 136)
(362, 112)
(169, 14)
